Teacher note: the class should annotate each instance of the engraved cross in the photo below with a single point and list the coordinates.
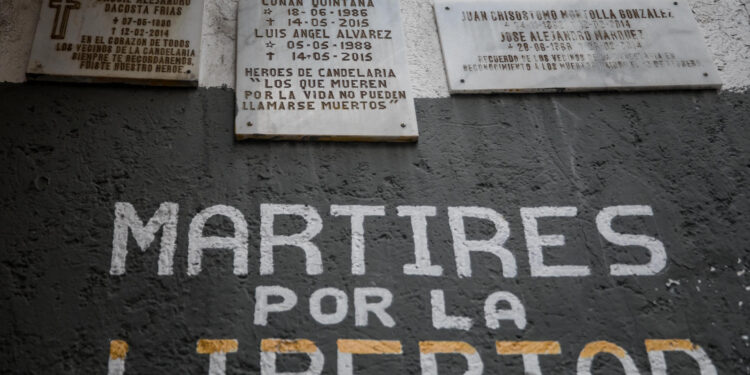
(62, 13)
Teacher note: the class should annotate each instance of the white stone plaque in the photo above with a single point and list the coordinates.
(154, 42)
(323, 70)
(572, 45)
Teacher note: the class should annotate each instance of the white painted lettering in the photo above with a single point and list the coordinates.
(463, 247)
(358, 214)
(127, 220)
(263, 307)
(316, 309)
(535, 242)
(440, 320)
(271, 348)
(428, 351)
(237, 243)
(493, 316)
(656, 248)
(422, 265)
(268, 212)
(363, 308)
(656, 349)
(586, 358)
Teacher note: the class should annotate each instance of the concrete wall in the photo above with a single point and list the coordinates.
(725, 24)
(71, 153)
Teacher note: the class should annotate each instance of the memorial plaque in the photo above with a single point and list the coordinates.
(572, 45)
(155, 42)
(323, 70)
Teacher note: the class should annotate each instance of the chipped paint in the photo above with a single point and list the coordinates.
(528, 347)
(118, 349)
(288, 346)
(369, 346)
(428, 347)
(597, 347)
(217, 346)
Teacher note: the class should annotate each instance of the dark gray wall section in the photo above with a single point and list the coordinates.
(70, 152)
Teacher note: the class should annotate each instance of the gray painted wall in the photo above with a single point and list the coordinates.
(71, 152)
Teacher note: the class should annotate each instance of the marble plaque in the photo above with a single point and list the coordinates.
(323, 70)
(153, 42)
(572, 45)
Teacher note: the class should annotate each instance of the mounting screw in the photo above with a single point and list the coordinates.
(462, 81)
(447, 8)
(705, 74)
(403, 125)
(675, 3)
(249, 123)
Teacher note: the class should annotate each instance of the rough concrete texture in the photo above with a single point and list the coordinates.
(218, 59)
(17, 26)
(71, 152)
(425, 58)
(726, 27)
(725, 24)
